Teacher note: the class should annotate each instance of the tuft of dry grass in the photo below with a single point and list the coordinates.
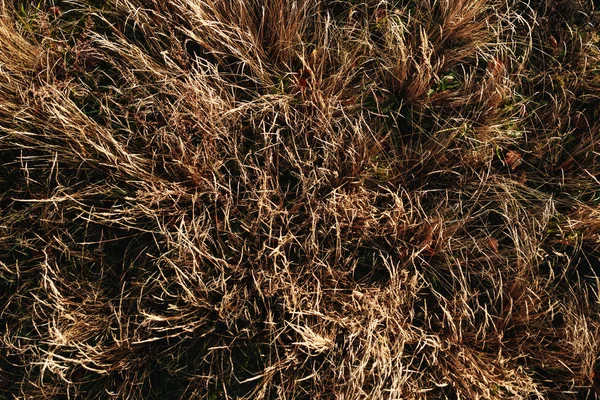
(299, 199)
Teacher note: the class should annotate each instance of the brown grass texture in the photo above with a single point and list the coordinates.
(299, 199)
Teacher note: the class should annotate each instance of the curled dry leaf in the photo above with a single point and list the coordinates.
(513, 159)
(303, 76)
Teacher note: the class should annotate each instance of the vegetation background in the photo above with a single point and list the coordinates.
(307, 199)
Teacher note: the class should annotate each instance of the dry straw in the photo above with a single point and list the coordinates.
(243, 199)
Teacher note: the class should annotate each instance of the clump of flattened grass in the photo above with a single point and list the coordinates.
(308, 199)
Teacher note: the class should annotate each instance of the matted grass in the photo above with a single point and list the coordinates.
(243, 199)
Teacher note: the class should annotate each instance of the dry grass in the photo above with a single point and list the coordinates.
(302, 199)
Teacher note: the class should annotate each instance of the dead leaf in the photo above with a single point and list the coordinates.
(513, 159)
(303, 75)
